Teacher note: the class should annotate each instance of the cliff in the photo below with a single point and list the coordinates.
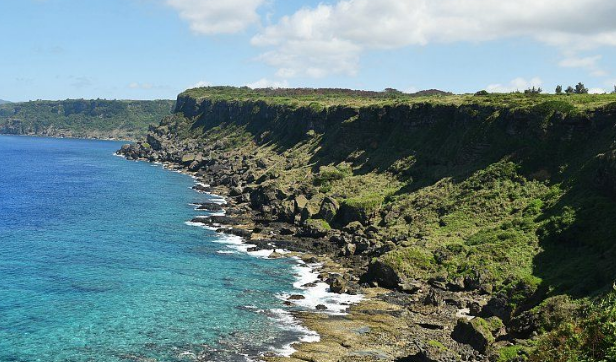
(82, 118)
(502, 204)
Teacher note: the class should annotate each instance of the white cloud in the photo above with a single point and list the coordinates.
(591, 64)
(517, 84)
(329, 39)
(200, 84)
(266, 83)
(597, 91)
(136, 85)
(211, 17)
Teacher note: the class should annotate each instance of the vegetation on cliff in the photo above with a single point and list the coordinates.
(505, 196)
(83, 118)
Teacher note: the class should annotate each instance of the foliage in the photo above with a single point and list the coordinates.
(590, 339)
(83, 118)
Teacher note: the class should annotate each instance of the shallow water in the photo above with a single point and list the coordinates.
(97, 264)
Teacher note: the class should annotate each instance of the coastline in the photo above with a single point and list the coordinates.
(411, 321)
(69, 137)
(319, 306)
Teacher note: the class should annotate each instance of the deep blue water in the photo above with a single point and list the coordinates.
(97, 263)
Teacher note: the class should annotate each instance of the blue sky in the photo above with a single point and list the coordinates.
(149, 49)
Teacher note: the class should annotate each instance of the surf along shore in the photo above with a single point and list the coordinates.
(457, 217)
(342, 319)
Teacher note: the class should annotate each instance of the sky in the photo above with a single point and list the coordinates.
(155, 49)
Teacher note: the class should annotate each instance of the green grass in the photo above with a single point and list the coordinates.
(321, 99)
(511, 193)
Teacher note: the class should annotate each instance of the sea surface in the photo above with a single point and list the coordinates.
(97, 263)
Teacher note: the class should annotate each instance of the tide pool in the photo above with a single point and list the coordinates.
(97, 264)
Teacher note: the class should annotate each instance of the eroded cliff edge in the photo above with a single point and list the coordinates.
(499, 207)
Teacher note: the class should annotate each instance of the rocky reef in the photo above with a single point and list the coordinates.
(477, 226)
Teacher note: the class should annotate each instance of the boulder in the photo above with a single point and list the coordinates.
(476, 333)
(383, 274)
(300, 203)
(337, 284)
(329, 209)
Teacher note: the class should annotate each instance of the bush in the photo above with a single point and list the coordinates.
(590, 339)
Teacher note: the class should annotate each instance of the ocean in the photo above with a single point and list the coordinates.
(97, 263)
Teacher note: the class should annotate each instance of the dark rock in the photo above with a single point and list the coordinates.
(209, 206)
(297, 297)
(499, 307)
(337, 284)
(236, 191)
(525, 324)
(475, 333)
(240, 232)
(409, 286)
(202, 188)
(329, 209)
(321, 307)
(287, 231)
(433, 298)
(383, 274)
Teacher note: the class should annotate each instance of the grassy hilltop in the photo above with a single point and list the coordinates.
(512, 196)
(83, 118)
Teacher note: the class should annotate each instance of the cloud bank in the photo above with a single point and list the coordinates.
(329, 39)
(211, 17)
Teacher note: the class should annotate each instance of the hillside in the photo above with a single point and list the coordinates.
(3, 102)
(503, 204)
(83, 118)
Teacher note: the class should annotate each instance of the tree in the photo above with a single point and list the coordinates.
(581, 89)
(614, 92)
(533, 90)
(569, 90)
(559, 89)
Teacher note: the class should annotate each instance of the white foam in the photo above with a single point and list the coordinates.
(337, 304)
(217, 199)
(263, 253)
(226, 252)
(286, 319)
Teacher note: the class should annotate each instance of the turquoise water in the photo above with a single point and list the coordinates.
(97, 264)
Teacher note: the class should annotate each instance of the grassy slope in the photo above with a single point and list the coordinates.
(514, 192)
(84, 118)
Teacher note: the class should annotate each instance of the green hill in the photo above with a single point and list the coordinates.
(83, 118)
(505, 198)
(3, 102)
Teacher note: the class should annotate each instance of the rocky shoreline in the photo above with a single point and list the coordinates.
(399, 320)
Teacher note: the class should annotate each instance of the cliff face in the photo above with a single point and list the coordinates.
(82, 118)
(509, 207)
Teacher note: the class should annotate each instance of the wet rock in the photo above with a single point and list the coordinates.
(202, 188)
(297, 297)
(209, 206)
(321, 307)
(276, 255)
(243, 233)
